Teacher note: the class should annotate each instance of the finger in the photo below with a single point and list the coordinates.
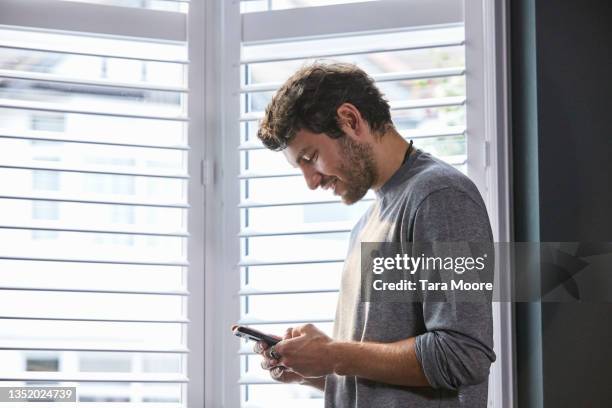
(307, 328)
(272, 353)
(260, 347)
(267, 364)
(288, 333)
(277, 373)
(278, 350)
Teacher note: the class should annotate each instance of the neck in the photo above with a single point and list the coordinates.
(389, 153)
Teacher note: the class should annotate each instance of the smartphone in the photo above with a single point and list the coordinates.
(255, 335)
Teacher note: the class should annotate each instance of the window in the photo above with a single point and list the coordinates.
(286, 262)
(94, 164)
(105, 168)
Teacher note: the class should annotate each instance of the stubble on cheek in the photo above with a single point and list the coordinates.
(358, 167)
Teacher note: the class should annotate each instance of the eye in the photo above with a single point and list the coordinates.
(307, 158)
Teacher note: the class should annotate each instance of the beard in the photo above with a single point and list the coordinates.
(357, 167)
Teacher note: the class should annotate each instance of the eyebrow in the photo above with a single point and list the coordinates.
(300, 155)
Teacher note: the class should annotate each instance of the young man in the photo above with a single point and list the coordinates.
(332, 122)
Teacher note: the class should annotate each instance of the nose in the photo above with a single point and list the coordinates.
(313, 177)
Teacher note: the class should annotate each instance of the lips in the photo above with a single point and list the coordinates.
(333, 184)
(330, 183)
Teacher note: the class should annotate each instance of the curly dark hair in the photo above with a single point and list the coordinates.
(310, 98)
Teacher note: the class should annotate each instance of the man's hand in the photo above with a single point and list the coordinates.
(307, 352)
(277, 371)
(307, 356)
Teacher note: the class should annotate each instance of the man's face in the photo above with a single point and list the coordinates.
(344, 165)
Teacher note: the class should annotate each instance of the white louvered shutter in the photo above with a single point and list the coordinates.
(293, 240)
(94, 199)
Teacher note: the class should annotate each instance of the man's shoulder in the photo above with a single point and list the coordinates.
(431, 175)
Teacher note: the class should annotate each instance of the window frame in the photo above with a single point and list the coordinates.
(198, 208)
(487, 23)
(219, 169)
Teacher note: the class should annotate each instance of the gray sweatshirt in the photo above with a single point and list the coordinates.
(426, 200)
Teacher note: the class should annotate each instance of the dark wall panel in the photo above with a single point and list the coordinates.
(574, 54)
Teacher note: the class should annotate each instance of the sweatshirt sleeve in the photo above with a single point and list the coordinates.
(457, 348)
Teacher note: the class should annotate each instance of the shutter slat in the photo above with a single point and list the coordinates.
(258, 175)
(109, 291)
(385, 77)
(98, 261)
(66, 108)
(15, 45)
(428, 103)
(432, 133)
(255, 144)
(395, 105)
(453, 160)
(248, 261)
(59, 198)
(85, 347)
(52, 78)
(53, 137)
(262, 204)
(94, 319)
(352, 51)
(249, 320)
(94, 377)
(96, 231)
(251, 291)
(255, 380)
(326, 228)
(49, 166)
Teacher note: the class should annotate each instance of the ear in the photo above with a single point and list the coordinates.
(350, 120)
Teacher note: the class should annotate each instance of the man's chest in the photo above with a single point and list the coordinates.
(357, 319)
